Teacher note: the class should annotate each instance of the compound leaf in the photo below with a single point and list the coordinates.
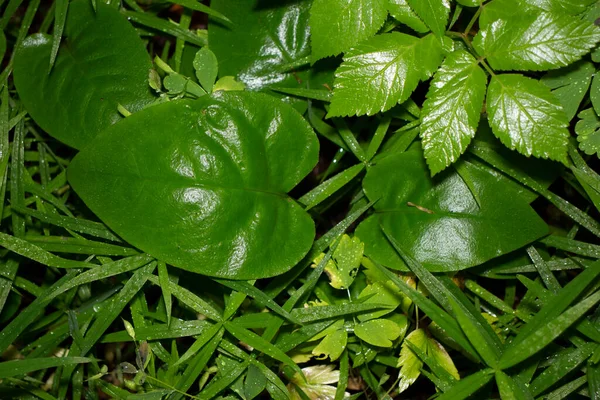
(401, 11)
(570, 85)
(211, 176)
(434, 13)
(452, 110)
(535, 41)
(101, 63)
(588, 131)
(338, 25)
(382, 72)
(526, 116)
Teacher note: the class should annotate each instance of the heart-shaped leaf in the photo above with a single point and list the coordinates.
(262, 40)
(201, 184)
(452, 222)
(101, 63)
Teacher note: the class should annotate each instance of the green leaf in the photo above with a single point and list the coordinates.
(570, 85)
(552, 319)
(257, 25)
(219, 168)
(79, 98)
(332, 345)
(254, 383)
(511, 389)
(437, 352)
(467, 386)
(60, 18)
(572, 7)
(330, 186)
(525, 116)
(451, 113)
(410, 365)
(348, 21)
(380, 293)
(382, 72)
(378, 332)
(20, 367)
(588, 131)
(430, 216)
(535, 41)
(344, 263)
(434, 13)
(595, 92)
(401, 11)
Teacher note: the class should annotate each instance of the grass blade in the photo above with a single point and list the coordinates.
(510, 389)
(20, 367)
(467, 386)
(330, 186)
(60, 17)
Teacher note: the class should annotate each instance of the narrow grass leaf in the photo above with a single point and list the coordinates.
(527, 344)
(260, 344)
(224, 381)
(313, 94)
(76, 224)
(163, 278)
(164, 26)
(565, 391)
(260, 296)
(20, 367)
(350, 139)
(378, 136)
(433, 311)
(446, 380)
(205, 337)
(476, 334)
(549, 279)
(593, 378)
(467, 386)
(562, 365)
(572, 246)
(318, 313)
(60, 17)
(197, 6)
(62, 244)
(191, 300)
(330, 186)
(510, 389)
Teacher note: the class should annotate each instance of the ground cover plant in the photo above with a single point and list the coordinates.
(323, 199)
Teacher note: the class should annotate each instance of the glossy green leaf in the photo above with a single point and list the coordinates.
(588, 131)
(570, 85)
(211, 177)
(264, 37)
(410, 365)
(348, 21)
(101, 63)
(378, 332)
(434, 13)
(451, 113)
(206, 67)
(437, 352)
(572, 7)
(382, 72)
(254, 383)
(525, 116)
(430, 216)
(401, 11)
(535, 41)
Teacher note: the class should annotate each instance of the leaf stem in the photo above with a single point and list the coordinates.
(472, 22)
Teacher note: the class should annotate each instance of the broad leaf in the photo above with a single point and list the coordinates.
(380, 293)
(525, 116)
(401, 11)
(434, 13)
(332, 345)
(263, 38)
(409, 364)
(378, 332)
(211, 176)
(572, 7)
(588, 131)
(338, 25)
(451, 113)
(432, 216)
(570, 85)
(382, 72)
(535, 41)
(101, 63)
(206, 67)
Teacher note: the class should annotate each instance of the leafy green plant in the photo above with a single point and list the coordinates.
(300, 199)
